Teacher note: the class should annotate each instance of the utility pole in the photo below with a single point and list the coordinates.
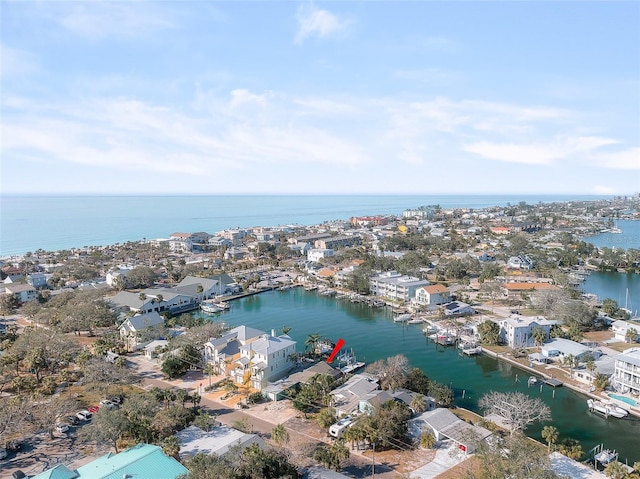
(373, 461)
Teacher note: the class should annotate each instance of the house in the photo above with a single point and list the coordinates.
(151, 349)
(277, 390)
(218, 440)
(565, 467)
(517, 331)
(446, 425)
(347, 397)
(520, 262)
(621, 328)
(37, 280)
(141, 461)
(514, 290)
(626, 376)
(395, 286)
(264, 360)
(118, 276)
(458, 308)
(322, 473)
(60, 471)
(373, 400)
(561, 348)
(317, 254)
(12, 274)
(22, 292)
(337, 242)
(137, 331)
(224, 351)
(211, 287)
(432, 294)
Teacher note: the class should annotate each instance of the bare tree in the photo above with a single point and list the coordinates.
(517, 409)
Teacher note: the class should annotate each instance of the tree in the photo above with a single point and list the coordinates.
(418, 403)
(539, 336)
(517, 409)
(280, 435)
(204, 420)
(326, 418)
(571, 362)
(332, 456)
(107, 426)
(171, 447)
(600, 381)
(427, 440)
(209, 370)
(549, 434)
(631, 335)
(489, 332)
(312, 341)
(571, 448)
(141, 277)
(391, 372)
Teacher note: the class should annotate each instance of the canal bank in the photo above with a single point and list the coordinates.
(373, 335)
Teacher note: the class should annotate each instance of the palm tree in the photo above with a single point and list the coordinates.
(182, 395)
(615, 470)
(570, 361)
(209, 370)
(312, 341)
(142, 297)
(419, 403)
(286, 329)
(549, 434)
(171, 447)
(280, 435)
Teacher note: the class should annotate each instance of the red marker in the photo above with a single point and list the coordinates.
(339, 344)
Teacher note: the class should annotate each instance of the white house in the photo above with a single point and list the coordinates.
(620, 329)
(517, 331)
(346, 398)
(218, 441)
(222, 352)
(560, 348)
(113, 276)
(432, 294)
(626, 377)
(139, 330)
(458, 308)
(393, 285)
(264, 360)
(23, 292)
(520, 262)
(317, 254)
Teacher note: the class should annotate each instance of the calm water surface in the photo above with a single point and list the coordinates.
(373, 335)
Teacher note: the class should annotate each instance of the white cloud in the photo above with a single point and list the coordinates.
(99, 19)
(313, 21)
(628, 159)
(531, 154)
(16, 62)
(603, 190)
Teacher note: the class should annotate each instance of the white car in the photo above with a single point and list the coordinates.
(62, 427)
(84, 415)
(108, 404)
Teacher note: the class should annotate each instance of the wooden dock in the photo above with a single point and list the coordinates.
(553, 382)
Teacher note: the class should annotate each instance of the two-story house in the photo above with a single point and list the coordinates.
(395, 286)
(139, 330)
(224, 351)
(517, 331)
(626, 377)
(432, 294)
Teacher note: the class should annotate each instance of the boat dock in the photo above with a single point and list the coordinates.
(553, 382)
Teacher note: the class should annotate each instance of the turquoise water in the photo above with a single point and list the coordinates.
(29, 223)
(624, 399)
(373, 335)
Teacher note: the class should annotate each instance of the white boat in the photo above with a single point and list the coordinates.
(532, 380)
(607, 408)
(347, 362)
(210, 306)
(402, 318)
(606, 456)
(415, 321)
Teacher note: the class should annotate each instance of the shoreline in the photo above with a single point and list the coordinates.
(634, 411)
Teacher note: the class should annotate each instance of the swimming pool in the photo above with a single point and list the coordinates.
(624, 399)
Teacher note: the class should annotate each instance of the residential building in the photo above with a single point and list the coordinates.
(560, 348)
(335, 242)
(514, 290)
(393, 285)
(432, 294)
(23, 292)
(520, 262)
(446, 425)
(626, 376)
(218, 440)
(224, 351)
(621, 328)
(264, 360)
(37, 280)
(139, 330)
(517, 331)
(317, 254)
(118, 276)
(347, 397)
(458, 308)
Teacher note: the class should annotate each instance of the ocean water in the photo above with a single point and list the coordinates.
(29, 223)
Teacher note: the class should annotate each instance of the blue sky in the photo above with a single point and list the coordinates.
(320, 97)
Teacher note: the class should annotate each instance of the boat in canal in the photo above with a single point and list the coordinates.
(210, 306)
(607, 408)
(402, 318)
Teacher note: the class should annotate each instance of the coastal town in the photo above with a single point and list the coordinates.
(127, 357)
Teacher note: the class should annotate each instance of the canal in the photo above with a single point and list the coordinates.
(373, 335)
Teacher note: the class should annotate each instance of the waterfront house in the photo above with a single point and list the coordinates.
(514, 290)
(432, 294)
(561, 348)
(264, 360)
(22, 292)
(211, 287)
(458, 308)
(517, 331)
(395, 286)
(127, 301)
(626, 376)
(224, 351)
(446, 425)
(219, 440)
(139, 330)
(346, 398)
(620, 329)
(520, 262)
(373, 400)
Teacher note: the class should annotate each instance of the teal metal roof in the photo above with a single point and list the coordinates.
(58, 472)
(143, 461)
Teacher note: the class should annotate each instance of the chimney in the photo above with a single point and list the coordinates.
(273, 333)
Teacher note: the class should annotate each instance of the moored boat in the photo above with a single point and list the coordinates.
(209, 306)
(607, 408)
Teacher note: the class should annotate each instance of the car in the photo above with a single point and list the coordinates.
(62, 427)
(93, 409)
(84, 415)
(108, 404)
(18, 475)
(73, 420)
(117, 400)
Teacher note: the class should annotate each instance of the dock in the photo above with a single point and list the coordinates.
(553, 382)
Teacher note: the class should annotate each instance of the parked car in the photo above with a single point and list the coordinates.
(93, 409)
(108, 404)
(73, 420)
(117, 400)
(84, 415)
(18, 475)
(62, 427)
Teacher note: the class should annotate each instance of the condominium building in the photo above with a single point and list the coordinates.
(626, 377)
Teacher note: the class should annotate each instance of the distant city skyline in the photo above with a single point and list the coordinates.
(320, 97)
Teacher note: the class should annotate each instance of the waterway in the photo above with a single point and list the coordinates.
(373, 335)
(621, 287)
(629, 238)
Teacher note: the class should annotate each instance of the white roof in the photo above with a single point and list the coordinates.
(565, 467)
(565, 346)
(217, 441)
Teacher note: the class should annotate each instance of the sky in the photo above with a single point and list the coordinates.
(342, 97)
